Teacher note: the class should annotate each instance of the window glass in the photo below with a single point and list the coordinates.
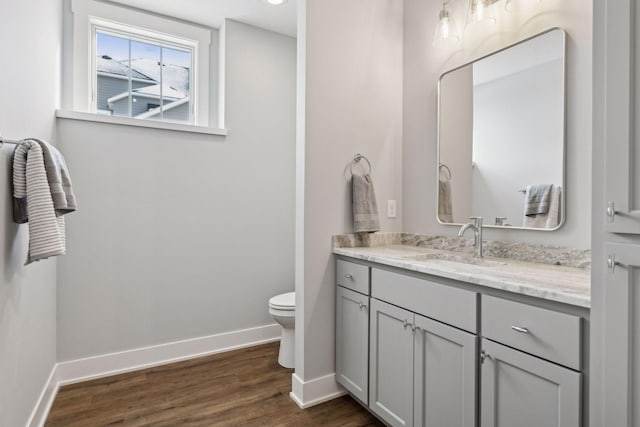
(177, 74)
(112, 69)
(142, 79)
(147, 87)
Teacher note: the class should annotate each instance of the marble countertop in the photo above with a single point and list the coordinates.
(567, 285)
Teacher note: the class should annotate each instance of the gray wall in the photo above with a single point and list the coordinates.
(353, 84)
(183, 235)
(27, 293)
(423, 64)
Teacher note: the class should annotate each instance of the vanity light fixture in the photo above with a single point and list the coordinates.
(446, 29)
(479, 12)
(275, 2)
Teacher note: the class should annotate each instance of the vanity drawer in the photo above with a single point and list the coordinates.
(456, 307)
(353, 276)
(545, 333)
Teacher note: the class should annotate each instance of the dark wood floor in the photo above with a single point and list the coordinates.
(239, 388)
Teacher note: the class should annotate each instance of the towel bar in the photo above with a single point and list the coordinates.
(8, 141)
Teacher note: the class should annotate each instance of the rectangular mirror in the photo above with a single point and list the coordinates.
(501, 137)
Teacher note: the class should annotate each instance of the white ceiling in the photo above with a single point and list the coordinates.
(211, 13)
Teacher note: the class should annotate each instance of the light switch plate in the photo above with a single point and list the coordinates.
(391, 208)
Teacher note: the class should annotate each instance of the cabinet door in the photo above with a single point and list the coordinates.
(445, 373)
(621, 350)
(622, 116)
(391, 364)
(352, 342)
(524, 391)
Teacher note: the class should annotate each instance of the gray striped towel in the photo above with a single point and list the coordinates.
(30, 183)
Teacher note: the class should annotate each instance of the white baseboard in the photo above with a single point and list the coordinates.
(315, 391)
(45, 400)
(125, 361)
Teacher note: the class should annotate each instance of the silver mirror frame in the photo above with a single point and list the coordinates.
(563, 213)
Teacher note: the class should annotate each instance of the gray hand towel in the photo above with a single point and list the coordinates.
(537, 199)
(365, 208)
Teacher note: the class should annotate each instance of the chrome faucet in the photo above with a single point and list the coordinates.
(476, 226)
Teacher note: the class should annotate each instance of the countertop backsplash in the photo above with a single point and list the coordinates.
(527, 252)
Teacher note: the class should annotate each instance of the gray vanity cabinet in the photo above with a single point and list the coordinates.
(445, 380)
(525, 391)
(352, 342)
(422, 372)
(391, 363)
(530, 365)
(424, 360)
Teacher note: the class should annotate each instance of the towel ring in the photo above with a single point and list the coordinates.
(356, 160)
(443, 166)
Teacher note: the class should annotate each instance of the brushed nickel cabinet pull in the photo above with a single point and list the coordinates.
(611, 263)
(611, 212)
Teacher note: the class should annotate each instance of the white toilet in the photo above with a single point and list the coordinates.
(283, 309)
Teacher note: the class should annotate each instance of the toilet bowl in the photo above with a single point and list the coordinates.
(283, 309)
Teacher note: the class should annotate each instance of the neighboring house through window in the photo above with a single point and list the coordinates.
(140, 65)
(134, 78)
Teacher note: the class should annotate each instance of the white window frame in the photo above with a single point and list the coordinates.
(92, 15)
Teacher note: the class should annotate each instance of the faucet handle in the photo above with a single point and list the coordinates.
(477, 220)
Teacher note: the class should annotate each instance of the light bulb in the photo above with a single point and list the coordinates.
(480, 12)
(446, 30)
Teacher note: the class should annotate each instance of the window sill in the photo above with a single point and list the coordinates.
(91, 117)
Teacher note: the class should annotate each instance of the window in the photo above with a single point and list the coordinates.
(135, 65)
(142, 78)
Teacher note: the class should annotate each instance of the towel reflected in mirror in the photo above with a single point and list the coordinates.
(445, 209)
(545, 200)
